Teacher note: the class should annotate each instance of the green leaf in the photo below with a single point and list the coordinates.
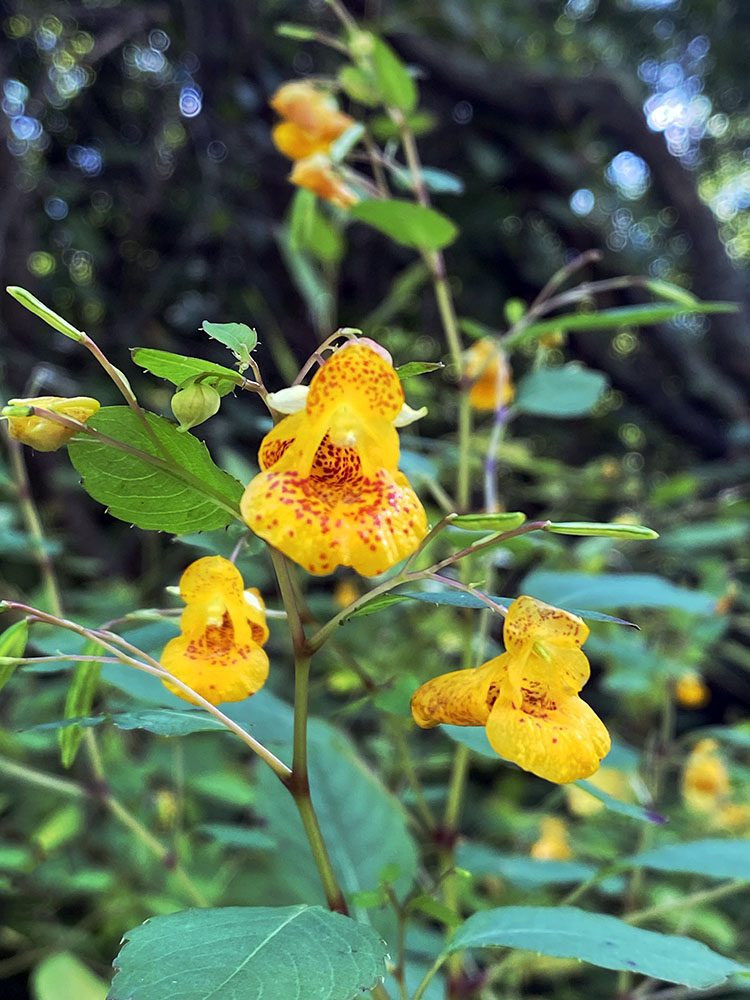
(242, 837)
(248, 951)
(391, 78)
(346, 142)
(32, 303)
(78, 702)
(520, 869)
(379, 603)
(412, 368)
(436, 181)
(489, 522)
(567, 932)
(298, 31)
(706, 535)
(460, 599)
(187, 493)
(64, 977)
(238, 337)
(713, 858)
(589, 528)
(675, 293)
(12, 645)
(177, 368)
(310, 230)
(612, 590)
(357, 85)
(568, 391)
(405, 222)
(623, 808)
(364, 826)
(613, 319)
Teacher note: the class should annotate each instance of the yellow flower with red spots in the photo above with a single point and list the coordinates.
(486, 368)
(218, 653)
(527, 698)
(329, 492)
(44, 434)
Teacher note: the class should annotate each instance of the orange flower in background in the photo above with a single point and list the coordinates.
(314, 115)
(486, 366)
(318, 175)
(527, 698)
(691, 691)
(44, 434)
(705, 779)
(553, 843)
(218, 653)
(330, 493)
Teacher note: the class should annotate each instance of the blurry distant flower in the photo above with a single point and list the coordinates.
(317, 174)
(486, 367)
(44, 434)
(312, 120)
(553, 844)
(607, 779)
(705, 780)
(527, 698)
(330, 493)
(218, 653)
(691, 691)
(345, 593)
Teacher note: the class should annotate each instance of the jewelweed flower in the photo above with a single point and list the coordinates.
(44, 434)
(329, 492)
(218, 652)
(691, 691)
(486, 367)
(553, 843)
(705, 779)
(312, 121)
(527, 698)
(317, 174)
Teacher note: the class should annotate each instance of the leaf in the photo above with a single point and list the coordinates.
(407, 223)
(12, 645)
(364, 826)
(378, 604)
(192, 494)
(436, 181)
(520, 869)
(568, 391)
(390, 76)
(706, 535)
(567, 932)
(589, 528)
(248, 951)
(623, 808)
(64, 977)
(238, 337)
(357, 85)
(612, 590)
(177, 368)
(298, 31)
(346, 142)
(713, 858)
(505, 521)
(613, 319)
(78, 701)
(460, 599)
(32, 303)
(674, 293)
(242, 837)
(412, 368)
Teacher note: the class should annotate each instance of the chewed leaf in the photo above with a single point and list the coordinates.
(238, 337)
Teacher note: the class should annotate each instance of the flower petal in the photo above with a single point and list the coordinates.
(210, 575)
(296, 143)
(218, 671)
(561, 741)
(529, 620)
(459, 698)
(358, 376)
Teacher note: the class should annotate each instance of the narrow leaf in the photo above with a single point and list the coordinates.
(674, 293)
(405, 222)
(505, 521)
(418, 368)
(567, 932)
(177, 368)
(606, 530)
(32, 303)
(346, 142)
(79, 700)
(298, 31)
(12, 645)
(623, 808)
(712, 858)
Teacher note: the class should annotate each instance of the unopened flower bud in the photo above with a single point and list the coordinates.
(44, 434)
(194, 404)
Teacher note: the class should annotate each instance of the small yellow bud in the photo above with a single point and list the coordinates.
(194, 404)
(691, 691)
(44, 434)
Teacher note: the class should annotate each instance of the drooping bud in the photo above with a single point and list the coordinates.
(42, 433)
(194, 404)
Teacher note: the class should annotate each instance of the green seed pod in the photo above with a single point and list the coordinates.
(194, 404)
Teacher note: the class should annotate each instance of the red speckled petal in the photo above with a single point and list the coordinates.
(214, 666)
(459, 698)
(529, 620)
(208, 576)
(276, 444)
(359, 377)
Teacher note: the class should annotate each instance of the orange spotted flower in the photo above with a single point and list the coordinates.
(44, 434)
(218, 653)
(527, 698)
(486, 367)
(312, 122)
(329, 492)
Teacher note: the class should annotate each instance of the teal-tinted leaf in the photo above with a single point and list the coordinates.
(379, 603)
(473, 737)
(418, 368)
(590, 528)
(436, 181)
(520, 869)
(489, 522)
(567, 932)
(713, 858)
(189, 493)
(346, 142)
(623, 808)
(242, 837)
(78, 702)
(238, 337)
(64, 977)
(248, 951)
(706, 535)
(391, 78)
(12, 645)
(612, 319)
(177, 368)
(568, 391)
(407, 223)
(610, 590)
(460, 599)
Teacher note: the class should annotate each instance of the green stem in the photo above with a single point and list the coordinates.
(429, 976)
(34, 526)
(685, 902)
